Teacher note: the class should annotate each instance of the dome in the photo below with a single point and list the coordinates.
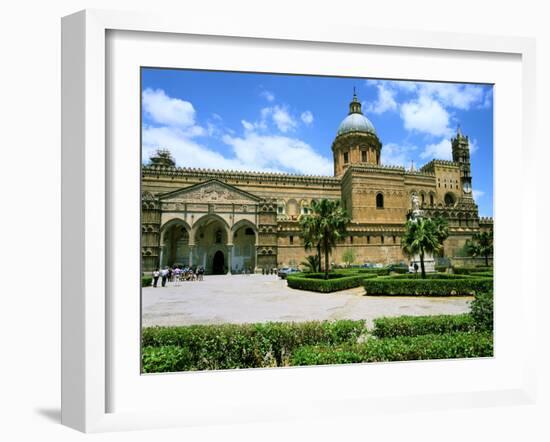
(355, 122)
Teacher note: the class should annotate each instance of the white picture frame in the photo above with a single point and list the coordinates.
(86, 315)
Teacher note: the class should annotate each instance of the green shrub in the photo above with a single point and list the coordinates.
(421, 325)
(441, 268)
(210, 347)
(483, 274)
(482, 310)
(395, 286)
(403, 348)
(146, 281)
(337, 281)
(469, 270)
(430, 276)
(166, 359)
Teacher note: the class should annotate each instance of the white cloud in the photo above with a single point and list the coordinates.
(283, 120)
(473, 146)
(185, 151)
(397, 155)
(426, 115)
(166, 110)
(279, 116)
(460, 96)
(269, 96)
(477, 193)
(273, 152)
(307, 117)
(247, 125)
(487, 100)
(439, 151)
(385, 101)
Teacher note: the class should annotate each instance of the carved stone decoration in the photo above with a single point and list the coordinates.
(211, 192)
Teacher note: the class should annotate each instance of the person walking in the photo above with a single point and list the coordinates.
(164, 276)
(156, 275)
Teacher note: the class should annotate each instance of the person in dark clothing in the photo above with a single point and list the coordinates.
(164, 276)
(156, 275)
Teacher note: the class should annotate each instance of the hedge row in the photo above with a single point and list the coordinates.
(146, 281)
(212, 347)
(469, 270)
(422, 325)
(403, 348)
(315, 283)
(482, 311)
(426, 287)
(430, 276)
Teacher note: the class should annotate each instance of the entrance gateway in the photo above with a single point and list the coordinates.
(218, 263)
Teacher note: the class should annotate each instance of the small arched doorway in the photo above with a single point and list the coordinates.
(218, 263)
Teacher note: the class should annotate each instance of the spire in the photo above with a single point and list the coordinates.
(355, 105)
(458, 131)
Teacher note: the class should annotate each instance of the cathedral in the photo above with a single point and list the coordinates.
(228, 221)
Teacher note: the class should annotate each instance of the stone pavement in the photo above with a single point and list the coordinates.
(262, 298)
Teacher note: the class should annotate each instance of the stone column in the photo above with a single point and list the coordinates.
(161, 255)
(229, 256)
(191, 248)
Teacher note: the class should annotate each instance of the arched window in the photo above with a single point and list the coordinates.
(379, 201)
(449, 199)
(431, 200)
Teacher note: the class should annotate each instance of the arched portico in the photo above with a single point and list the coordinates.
(212, 244)
(174, 243)
(244, 236)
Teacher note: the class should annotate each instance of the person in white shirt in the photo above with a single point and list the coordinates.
(156, 275)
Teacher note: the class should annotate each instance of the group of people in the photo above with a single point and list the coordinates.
(176, 274)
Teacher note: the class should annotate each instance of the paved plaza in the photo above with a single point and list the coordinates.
(263, 298)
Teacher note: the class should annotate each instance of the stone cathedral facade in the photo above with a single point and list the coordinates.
(229, 221)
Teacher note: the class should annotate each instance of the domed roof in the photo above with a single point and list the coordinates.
(355, 121)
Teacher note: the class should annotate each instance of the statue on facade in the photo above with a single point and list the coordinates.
(416, 212)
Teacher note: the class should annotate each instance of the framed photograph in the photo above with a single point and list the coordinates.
(262, 223)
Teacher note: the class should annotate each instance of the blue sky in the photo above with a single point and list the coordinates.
(286, 123)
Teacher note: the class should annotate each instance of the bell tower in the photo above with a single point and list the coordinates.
(461, 155)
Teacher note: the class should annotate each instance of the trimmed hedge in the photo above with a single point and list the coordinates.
(422, 325)
(146, 281)
(482, 311)
(314, 281)
(403, 348)
(483, 274)
(430, 276)
(212, 347)
(470, 270)
(393, 286)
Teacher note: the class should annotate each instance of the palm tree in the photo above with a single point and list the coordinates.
(481, 245)
(422, 236)
(332, 220)
(310, 231)
(311, 263)
(441, 228)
